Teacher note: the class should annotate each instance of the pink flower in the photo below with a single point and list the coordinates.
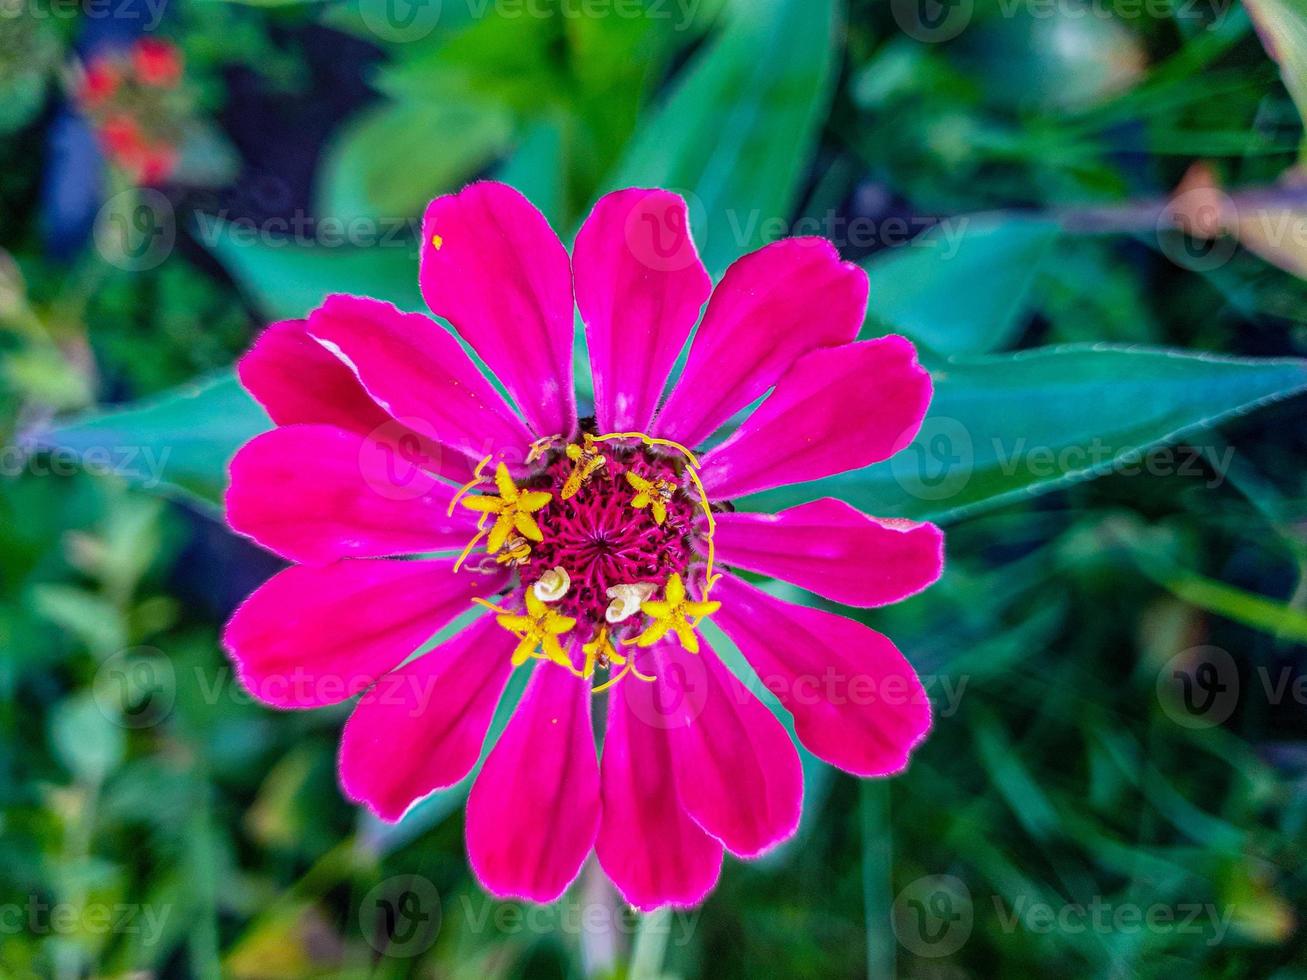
(601, 546)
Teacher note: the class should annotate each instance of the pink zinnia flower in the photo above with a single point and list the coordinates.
(598, 546)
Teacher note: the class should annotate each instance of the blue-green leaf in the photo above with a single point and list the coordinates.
(1005, 427)
(962, 286)
(739, 127)
(180, 442)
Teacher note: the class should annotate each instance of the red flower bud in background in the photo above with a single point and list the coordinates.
(99, 82)
(121, 137)
(157, 163)
(157, 62)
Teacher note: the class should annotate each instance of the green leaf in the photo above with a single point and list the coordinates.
(1239, 605)
(285, 277)
(962, 286)
(740, 125)
(84, 738)
(181, 441)
(390, 161)
(1282, 27)
(1009, 426)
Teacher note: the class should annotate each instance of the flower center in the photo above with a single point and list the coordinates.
(601, 539)
(607, 540)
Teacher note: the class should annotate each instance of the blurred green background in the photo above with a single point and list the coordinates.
(1087, 214)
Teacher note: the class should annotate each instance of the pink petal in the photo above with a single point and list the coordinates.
(418, 372)
(772, 307)
(737, 772)
(856, 701)
(315, 493)
(503, 279)
(836, 409)
(640, 287)
(834, 550)
(297, 381)
(421, 727)
(315, 636)
(651, 849)
(533, 811)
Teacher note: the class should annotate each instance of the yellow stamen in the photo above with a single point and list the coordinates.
(540, 447)
(693, 470)
(601, 647)
(466, 488)
(653, 494)
(674, 614)
(437, 242)
(515, 552)
(512, 509)
(481, 533)
(587, 460)
(538, 629)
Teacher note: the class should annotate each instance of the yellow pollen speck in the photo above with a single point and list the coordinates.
(437, 242)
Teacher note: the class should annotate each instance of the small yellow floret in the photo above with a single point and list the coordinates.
(653, 494)
(512, 509)
(539, 629)
(673, 613)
